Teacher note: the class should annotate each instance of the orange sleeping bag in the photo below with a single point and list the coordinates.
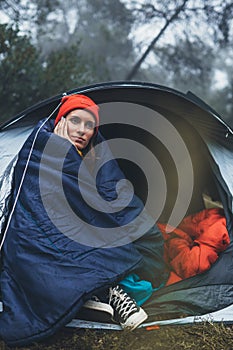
(195, 244)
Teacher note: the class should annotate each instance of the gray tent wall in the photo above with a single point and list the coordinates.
(210, 143)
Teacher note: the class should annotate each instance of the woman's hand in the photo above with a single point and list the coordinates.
(61, 129)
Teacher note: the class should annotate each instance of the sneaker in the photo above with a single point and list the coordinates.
(126, 311)
(95, 304)
(96, 310)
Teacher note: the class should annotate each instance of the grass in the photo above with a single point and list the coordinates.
(202, 337)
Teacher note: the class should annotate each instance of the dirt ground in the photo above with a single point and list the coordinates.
(202, 336)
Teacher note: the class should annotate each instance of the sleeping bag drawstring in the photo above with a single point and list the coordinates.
(24, 173)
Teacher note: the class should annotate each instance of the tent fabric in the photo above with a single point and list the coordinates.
(47, 274)
(7, 163)
(210, 143)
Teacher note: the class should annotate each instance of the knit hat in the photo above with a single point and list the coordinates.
(69, 103)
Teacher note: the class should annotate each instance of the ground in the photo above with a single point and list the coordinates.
(202, 337)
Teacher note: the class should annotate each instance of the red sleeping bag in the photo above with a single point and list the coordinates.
(195, 244)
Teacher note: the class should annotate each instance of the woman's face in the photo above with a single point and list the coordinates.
(80, 127)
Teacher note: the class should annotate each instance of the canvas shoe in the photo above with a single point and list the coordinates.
(96, 310)
(126, 311)
(95, 304)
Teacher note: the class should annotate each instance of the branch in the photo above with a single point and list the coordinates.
(154, 41)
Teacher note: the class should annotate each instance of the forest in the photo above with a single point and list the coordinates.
(48, 47)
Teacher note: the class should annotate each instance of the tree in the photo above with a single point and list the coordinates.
(221, 94)
(19, 72)
(64, 70)
(89, 41)
(108, 25)
(171, 16)
(99, 28)
(26, 78)
(188, 63)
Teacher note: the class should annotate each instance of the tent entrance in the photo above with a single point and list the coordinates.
(204, 181)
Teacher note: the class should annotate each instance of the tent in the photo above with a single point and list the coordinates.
(166, 122)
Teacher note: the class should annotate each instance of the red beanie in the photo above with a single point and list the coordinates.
(72, 102)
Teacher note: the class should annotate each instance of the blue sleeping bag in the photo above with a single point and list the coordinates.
(63, 244)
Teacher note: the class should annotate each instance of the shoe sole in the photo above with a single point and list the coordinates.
(134, 320)
(97, 305)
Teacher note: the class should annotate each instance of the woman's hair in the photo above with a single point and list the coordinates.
(90, 153)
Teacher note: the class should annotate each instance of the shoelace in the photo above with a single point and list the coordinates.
(122, 303)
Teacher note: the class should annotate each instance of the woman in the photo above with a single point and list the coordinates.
(58, 255)
(78, 122)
